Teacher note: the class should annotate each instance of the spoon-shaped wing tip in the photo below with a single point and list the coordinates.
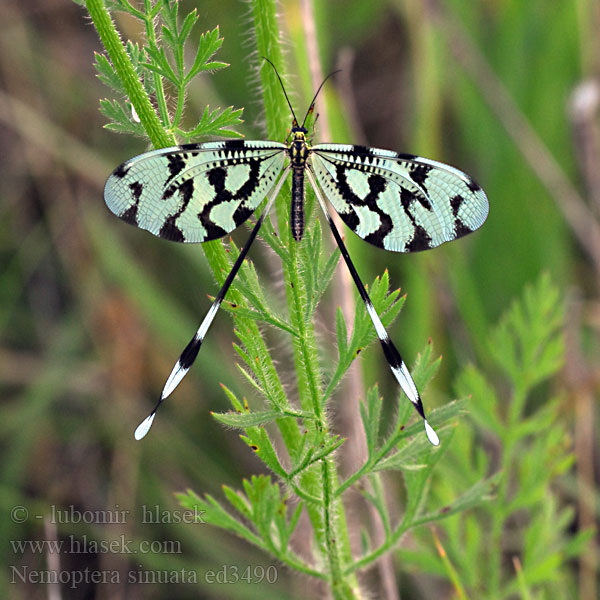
(431, 434)
(144, 427)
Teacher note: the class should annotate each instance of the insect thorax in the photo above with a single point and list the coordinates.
(298, 149)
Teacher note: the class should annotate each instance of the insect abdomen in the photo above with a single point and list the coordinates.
(297, 209)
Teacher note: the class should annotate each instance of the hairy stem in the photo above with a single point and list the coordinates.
(109, 37)
(328, 519)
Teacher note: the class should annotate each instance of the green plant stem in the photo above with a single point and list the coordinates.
(109, 37)
(179, 108)
(149, 19)
(295, 563)
(305, 346)
(387, 446)
(368, 559)
(328, 520)
(335, 571)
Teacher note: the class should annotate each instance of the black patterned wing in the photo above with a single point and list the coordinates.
(398, 202)
(196, 192)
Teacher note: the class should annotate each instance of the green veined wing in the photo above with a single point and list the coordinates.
(398, 202)
(196, 192)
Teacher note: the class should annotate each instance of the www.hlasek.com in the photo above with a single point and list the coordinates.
(226, 574)
(85, 545)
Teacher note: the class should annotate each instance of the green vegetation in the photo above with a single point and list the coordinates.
(330, 486)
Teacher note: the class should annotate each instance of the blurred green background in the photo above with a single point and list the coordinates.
(93, 313)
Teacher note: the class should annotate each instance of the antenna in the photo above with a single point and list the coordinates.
(284, 92)
(312, 104)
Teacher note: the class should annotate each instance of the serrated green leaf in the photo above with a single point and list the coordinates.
(171, 38)
(326, 273)
(527, 343)
(215, 514)
(293, 522)
(376, 496)
(388, 306)
(120, 118)
(268, 508)
(243, 420)
(436, 417)
(238, 501)
(379, 288)
(215, 123)
(264, 317)
(235, 402)
(327, 448)
(188, 23)
(341, 334)
(255, 383)
(484, 403)
(214, 66)
(169, 13)
(161, 65)
(408, 458)
(258, 439)
(242, 353)
(415, 482)
(424, 368)
(106, 73)
(482, 491)
(370, 412)
(208, 45)
(274, 241)
(250, 286)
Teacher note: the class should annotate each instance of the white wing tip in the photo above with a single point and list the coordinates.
(144, 427)
(431, 434)
(177, 374)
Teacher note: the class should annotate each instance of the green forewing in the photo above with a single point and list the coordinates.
(398, 202)
(196, 192)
